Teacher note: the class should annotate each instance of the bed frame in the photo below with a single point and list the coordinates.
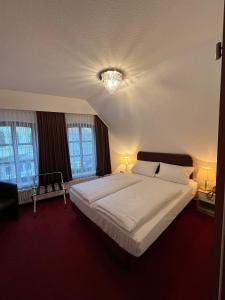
(126, 259)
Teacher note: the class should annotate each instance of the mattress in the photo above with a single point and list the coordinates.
(138, 241)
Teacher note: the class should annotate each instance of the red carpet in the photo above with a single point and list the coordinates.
(55, 257)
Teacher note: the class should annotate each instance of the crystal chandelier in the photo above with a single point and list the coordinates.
(111, 79)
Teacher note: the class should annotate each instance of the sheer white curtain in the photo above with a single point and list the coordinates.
(82, 148)
(18, 147)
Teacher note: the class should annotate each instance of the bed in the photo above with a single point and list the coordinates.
(135, 239)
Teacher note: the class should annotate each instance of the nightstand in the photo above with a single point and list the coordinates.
(204, 204)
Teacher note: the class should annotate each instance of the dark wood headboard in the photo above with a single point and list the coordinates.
(168, 158)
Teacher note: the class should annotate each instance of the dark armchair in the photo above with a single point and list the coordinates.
(8, 199)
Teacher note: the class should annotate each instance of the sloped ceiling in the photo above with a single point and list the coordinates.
(170, 98)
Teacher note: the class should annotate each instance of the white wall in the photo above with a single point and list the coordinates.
(169, 101)
(173, 108)
(178, 118)
(39, 102)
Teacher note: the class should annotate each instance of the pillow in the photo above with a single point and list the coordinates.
(147, 168)
(175, 173)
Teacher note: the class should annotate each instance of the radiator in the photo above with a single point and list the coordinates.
(25, 196)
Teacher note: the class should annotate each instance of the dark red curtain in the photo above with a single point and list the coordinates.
(102, 148)
(53, 145)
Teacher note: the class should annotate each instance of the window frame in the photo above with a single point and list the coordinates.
(15, 146)
(83, 173)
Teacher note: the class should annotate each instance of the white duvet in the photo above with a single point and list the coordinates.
(132, 206)
(93, 190)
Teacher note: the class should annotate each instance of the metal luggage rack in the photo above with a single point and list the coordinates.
(47, 185)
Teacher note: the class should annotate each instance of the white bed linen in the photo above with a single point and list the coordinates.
(92, 190)
(137, 242)
(131, 207)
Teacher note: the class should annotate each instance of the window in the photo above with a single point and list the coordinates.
(18, 150)
(81, 139)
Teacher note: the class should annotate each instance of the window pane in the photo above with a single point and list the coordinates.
(73, 134)
(7, 172)
(87, 163)
(75, 164)
(6, 154)
(26, 182)
(5, 135)
(81, 145)
(86, 134)
(87, 148)
(17, 151)
(26, 152)
(74, 148)
(24, 135)
(27, 173)
(26, 169)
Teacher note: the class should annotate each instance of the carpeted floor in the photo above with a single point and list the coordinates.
(54, 256)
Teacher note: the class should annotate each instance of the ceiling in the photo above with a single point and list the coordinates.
(165, 47)
(57, 47)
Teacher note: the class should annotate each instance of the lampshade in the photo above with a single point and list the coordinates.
(206, 174)
(125, 160)
(111, 79)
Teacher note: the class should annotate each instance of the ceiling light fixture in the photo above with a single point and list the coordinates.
(111, 78)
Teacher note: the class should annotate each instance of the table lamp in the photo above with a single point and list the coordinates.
(126, 161)
(206, 174)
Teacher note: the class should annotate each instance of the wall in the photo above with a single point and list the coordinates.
(174, 115)
(173, 108)
(39, 102)
(169, 100)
